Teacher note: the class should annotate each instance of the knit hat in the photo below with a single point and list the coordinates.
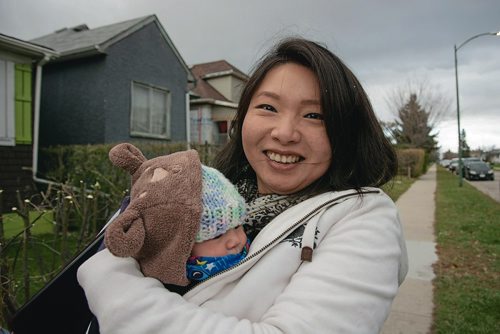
(223, 207)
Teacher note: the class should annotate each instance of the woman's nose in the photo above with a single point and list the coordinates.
(286, 130)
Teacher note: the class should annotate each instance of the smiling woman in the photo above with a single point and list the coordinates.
(284, 136)
(327, 253)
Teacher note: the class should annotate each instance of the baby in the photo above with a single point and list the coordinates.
(221, 241)
(184, 220)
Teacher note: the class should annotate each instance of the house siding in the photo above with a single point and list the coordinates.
(15, 173)
(87, 101)
(144, 57)
(71, 108)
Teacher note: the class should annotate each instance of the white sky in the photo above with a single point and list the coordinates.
(385, 42)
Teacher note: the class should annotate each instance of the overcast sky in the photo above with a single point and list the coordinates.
(386, 43)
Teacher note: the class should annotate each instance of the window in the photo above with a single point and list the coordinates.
(150, 115)
(7, 133)
(15, 103)
(223, 135)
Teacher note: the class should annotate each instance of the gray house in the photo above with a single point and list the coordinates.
(114, 83)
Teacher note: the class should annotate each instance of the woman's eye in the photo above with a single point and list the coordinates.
(315, 116)
(266, 107)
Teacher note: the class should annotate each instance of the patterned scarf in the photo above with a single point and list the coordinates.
(263, 208)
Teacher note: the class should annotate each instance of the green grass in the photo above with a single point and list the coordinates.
(44, 259)
(397, 186)
(467, 283)
(13, 224)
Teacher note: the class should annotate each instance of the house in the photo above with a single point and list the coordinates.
(121, 82)
(20, 83)
(495, 156)
(492, 156)
(214, 101)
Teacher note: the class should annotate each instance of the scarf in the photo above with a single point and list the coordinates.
(261, 209)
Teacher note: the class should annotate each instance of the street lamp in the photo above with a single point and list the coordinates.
(460, 171)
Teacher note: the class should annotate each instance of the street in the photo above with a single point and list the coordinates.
(491, 188)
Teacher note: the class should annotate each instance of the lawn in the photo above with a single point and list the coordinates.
(397, 186)
(45, 252)
(467, 283)
(13, 224)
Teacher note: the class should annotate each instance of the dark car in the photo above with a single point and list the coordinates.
(452, 167)
(479, 170)
(467, 161)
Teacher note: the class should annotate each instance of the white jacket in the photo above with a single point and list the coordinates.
(359, 261)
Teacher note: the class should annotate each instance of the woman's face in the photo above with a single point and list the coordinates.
(284, 135)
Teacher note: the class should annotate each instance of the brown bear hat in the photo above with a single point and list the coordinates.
(159, 226)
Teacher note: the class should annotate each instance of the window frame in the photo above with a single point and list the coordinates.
(151, 89)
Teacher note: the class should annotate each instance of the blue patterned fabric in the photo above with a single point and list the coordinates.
(199, 268)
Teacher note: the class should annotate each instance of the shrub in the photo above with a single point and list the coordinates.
(411, 161)
(89, 164)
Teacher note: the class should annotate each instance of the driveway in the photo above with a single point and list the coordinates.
(490, 188)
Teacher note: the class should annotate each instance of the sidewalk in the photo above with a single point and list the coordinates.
(412, 309)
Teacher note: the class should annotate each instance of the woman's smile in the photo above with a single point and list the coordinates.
(283, 158)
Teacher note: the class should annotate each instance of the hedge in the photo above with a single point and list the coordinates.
(411, 161)
(90, 165)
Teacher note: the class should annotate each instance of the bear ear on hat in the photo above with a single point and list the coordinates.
(126, 156)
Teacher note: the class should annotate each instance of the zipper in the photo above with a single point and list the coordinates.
(284, 233)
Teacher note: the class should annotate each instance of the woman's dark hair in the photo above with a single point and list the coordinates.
(361, 154)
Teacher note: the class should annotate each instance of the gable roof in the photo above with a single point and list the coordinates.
(80, 41)
(24, 48)
(212, 70)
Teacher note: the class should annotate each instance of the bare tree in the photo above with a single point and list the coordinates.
(429, 96)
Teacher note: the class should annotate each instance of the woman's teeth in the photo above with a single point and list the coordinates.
(284, 159)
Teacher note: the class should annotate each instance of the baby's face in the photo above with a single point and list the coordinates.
(231, 242)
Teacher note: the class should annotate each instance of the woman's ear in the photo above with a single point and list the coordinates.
(125, 235)
(126, 156)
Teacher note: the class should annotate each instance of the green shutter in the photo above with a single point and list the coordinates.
(23, 104)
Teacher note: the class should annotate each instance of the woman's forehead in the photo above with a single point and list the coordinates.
(290, 78)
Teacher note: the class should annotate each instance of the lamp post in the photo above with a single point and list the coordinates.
(460, 169)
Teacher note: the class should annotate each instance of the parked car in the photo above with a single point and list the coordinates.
(467, 161)
(452, 167)
(445, 162)
(479, 170)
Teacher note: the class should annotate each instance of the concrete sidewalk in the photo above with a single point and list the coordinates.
(412, 309)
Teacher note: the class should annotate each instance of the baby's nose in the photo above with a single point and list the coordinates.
(232, 240)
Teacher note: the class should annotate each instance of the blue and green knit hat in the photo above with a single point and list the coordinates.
(223, 207)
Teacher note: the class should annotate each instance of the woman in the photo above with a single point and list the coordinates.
(327, 254)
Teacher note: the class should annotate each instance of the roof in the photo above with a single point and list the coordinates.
(218, 68)
(25, 48)
(80, 41)
(212, 70)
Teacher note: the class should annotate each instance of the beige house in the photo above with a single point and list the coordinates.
(214, 100)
